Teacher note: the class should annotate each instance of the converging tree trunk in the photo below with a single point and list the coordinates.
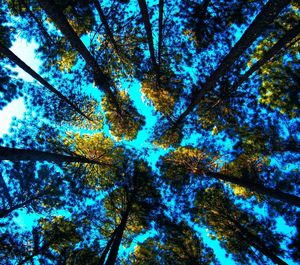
(147, 24)
(5, 191)
(9, 54)
(267, 15)
(113, 253)
(286, 39)
(108, 246)
(160, 31)
(273, 193)
(109, 33)
(254, 241)
(14, 154)
(57, 16)
(6, 212)
(39, 23)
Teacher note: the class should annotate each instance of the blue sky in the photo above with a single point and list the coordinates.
(16, 108)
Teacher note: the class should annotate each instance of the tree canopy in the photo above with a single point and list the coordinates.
(155, 132)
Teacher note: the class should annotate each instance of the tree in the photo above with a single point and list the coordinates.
(190, 135)
(233, 225)
(265, 17)
(179, 164)
(134, 203)
(176, 244)
(35, 75)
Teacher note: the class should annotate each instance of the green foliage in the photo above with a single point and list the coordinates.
(126, 122)
(226, 145)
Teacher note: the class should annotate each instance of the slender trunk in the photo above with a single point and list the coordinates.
(57, 16)
(264, 250)
(273, 193)
(6, 212)
(5, 190)
(267, 15)
(147, 24)
(113, 253)
(107, 247)
(39, 23)
(109, 33)
(160, 31)
(285, 146)
(9, 54)
(14, 154)
(254, 241)
(36, 253)
(287, 38)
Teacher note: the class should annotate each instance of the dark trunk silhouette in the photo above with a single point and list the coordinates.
(39, 23)
(5, 191)
(57, 16)
(6, 212)
(259, 188)
(107, 247)
(113, 253)
(147, 24)
(109, 33)
(9, 54)
(267, 15)
(160, 31)
(254, 241)
(286, 39)
(14, 154)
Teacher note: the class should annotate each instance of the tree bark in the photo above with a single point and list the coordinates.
(9, 54)
(160, 31)
(5, 191)
(113, 253)
(287, 38)
(6, 212)
(14, 154)
(254, 241)
(109, 33)
(267, 15)
(273, 193)
(147, 24)
(108, 246)
(57, 16)
(39, 23)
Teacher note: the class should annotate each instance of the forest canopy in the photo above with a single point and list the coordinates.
(154, 132)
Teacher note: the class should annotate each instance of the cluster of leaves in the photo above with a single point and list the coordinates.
(73, 190)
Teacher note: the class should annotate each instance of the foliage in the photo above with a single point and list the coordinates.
(185, 140)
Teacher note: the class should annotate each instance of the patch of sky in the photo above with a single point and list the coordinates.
(16, 108)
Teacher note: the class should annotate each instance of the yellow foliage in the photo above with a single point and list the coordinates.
(161, 98)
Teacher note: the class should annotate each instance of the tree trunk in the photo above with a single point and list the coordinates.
(273, 193)
(264, 250)
(113, 253)
(160, 31)
(14, 154)
(57, 16)
(287, 38)
(147, 24)
(109, 33)
(5, 191)
(6, 212)
(39, 23)
(9, 54)
(254, 241)
(107, 247)
(267, 15)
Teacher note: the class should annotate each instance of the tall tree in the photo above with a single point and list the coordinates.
(238, 230)
(6, 52)
(179, 164)
(262, 20)
(147, 24)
